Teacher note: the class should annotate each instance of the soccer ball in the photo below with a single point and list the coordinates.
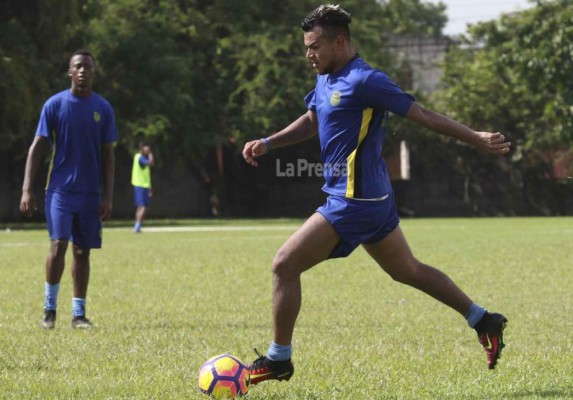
(224, 377)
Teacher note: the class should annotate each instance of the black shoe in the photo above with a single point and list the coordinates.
(49, 320)
(81, 322)
(490, 335)
(263, 369)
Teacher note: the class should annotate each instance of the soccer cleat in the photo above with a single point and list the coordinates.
(490, 335)
(49, 320)
(81, 322)
(263, 369)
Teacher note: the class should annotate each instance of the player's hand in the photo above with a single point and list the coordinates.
(105, 210)
(28, 204)
(252, 150)
(493, 143)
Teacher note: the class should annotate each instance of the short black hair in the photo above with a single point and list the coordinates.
(83, 52)
(333, 20)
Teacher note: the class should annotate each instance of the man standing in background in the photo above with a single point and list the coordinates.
(79, 125)
(141, 181)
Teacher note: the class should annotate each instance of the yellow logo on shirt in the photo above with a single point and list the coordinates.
(335, 98)
(97, 117)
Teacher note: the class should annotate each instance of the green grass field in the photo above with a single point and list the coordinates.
(163, 302)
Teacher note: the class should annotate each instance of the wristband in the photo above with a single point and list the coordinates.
(266, 142)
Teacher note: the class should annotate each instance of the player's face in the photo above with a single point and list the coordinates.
(320, 51)
(82, 71)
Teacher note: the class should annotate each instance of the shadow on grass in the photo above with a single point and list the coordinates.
(128, 223)
(557, 393)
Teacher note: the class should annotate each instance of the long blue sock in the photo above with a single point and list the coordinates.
(78, 307)
(51, 296)
(278, 352)
(475, 314)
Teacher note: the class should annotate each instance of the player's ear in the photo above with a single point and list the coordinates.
(340, 41)
(69, 72)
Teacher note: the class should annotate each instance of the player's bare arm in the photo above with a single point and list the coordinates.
(151, 159)
(488, 142)
(35, 155)
(108, 166)
(301, 129)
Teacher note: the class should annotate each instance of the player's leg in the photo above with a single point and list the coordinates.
(141, 199)
(81, 278)
(311, 244)
(86, 236)
(394, 255)
(59, 221)
(81, 271)
(55, 263)
(140, 214)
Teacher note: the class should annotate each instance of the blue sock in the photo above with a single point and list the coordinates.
(474, 314)
(137, 227)
(78, 307)
(278, 352)
(51, 296)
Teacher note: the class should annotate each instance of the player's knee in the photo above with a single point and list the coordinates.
(282, 265)
(407, 273)
(58, 248)
(81, 253)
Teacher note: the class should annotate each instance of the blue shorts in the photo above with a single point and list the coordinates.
(75, 217)
(359, 221)
(140, 196)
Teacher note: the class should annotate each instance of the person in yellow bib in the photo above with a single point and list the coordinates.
(141, 181)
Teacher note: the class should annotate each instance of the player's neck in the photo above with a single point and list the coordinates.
(81, 91)
(344, 60)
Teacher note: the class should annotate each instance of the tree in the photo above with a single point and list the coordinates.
(28, 64)
(516, 75)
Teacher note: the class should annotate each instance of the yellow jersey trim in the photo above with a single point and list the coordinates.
(51, 167)
(351, 160)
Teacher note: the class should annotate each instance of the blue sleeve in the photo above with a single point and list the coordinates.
(46, 122)
(143, 160)
(379, 91)
(110, 130)
(310, 100)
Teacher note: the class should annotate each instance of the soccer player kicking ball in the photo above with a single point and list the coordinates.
(348, 108)
(79, 125)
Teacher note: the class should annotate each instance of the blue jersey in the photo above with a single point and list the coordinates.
(352, 107)
(77, 128)
(143, 160)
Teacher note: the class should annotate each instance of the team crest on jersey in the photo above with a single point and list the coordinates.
(97, 116)
(335, 98)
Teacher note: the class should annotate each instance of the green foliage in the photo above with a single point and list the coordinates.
(186, 74)
(514, 75)
(152, 63)
(415, 18)
(164, 302)
(34, 35)
(17, 112)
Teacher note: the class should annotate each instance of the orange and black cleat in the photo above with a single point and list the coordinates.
(490, 335)
(263, 369)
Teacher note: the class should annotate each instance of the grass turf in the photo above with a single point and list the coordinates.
(164, 302)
